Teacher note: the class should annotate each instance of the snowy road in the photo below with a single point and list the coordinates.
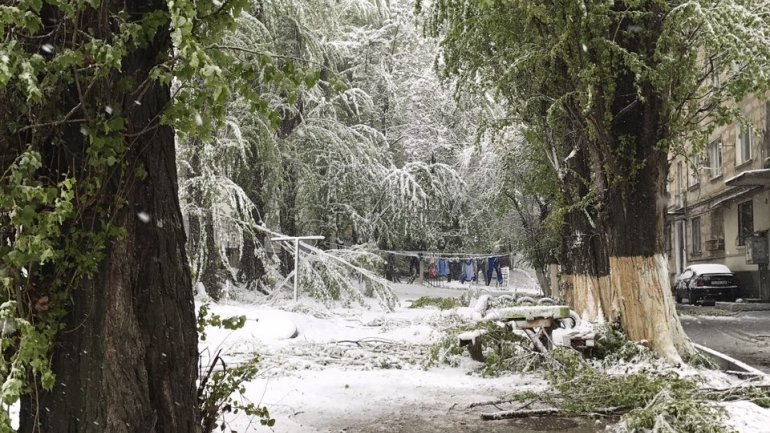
(744, 335)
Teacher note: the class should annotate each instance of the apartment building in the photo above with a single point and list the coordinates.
(718, 202)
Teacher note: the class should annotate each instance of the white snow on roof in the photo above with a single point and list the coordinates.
(710, 268)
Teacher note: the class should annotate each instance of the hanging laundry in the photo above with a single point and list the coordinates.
(493, 264)
(455, 270)
(469, 271)
(481, 267)
(432, 269)
(443, 268)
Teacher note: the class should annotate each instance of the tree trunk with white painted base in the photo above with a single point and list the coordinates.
(635, 169)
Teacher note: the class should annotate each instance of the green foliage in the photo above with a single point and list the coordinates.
(441, 303)
(647, 397)
(586, 389)
(604, 90)
(206, 319)
(681, 413)
(504, 351)
(613, 346)
(69, 134)
(222, 388)
(447, 350)
(222, 391)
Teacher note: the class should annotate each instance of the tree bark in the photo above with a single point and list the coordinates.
(126, 358)
(627, 154)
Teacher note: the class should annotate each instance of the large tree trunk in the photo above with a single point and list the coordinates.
(638, 267)
(627, 153)
(125, 360)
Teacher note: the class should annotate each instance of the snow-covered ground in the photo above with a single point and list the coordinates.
(361, 369)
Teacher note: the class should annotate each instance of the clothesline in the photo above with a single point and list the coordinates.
(438, 254)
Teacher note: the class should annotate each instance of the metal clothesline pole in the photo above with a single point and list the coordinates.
(296, 240)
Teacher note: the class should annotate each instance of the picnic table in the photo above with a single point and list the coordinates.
(537, 321)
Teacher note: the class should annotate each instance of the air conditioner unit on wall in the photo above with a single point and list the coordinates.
(715, 244)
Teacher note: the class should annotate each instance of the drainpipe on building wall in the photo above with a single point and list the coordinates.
(684, 231)
(764, 274)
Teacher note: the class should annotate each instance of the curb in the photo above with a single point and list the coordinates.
(743, 306)
(728, 363)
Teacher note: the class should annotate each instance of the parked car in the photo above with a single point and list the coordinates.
(706, 283)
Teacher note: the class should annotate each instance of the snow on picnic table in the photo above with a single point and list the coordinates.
(349, 367)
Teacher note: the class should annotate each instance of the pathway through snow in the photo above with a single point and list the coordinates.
(360, 371)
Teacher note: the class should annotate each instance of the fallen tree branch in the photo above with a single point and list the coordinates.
(495, 402)
(368, 340)
(519, 413)
(525, 413)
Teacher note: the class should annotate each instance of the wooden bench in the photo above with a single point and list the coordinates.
(537, 321)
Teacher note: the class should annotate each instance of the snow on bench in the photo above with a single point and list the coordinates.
(534, 312)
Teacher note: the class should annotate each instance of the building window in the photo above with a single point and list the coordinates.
(694, 177)
(743, 147)
(696, 249)
(745, 221)
(679, 184)
(715, 158)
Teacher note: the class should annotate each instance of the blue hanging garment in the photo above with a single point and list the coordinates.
(443, 268)
(493, 264)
